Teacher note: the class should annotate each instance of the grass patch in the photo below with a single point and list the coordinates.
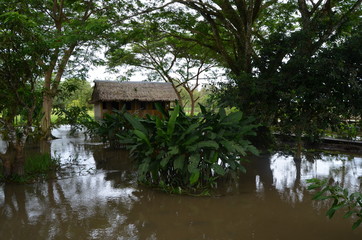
(37, 167)
(41, 164)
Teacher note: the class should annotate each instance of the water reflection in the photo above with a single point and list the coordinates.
(288, 173)
(98, 198)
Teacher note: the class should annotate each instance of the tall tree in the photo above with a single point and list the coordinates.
(21, 47)
(70, 27)
(272, 49)
(74, 30)
(237, 29)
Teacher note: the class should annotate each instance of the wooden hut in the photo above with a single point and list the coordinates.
(137, 97)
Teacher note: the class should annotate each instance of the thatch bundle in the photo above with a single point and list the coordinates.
(106, 91)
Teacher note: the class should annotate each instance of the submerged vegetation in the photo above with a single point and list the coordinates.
(181, 153)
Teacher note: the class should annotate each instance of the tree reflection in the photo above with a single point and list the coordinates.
(77, 208)
(108, 204)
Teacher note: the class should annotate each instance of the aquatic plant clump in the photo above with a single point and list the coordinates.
(181, 153)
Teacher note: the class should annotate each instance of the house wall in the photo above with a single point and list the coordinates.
(98, 111)
(135, 107)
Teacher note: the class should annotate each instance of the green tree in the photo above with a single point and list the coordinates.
(73, 31)
(238, 30)
(73, 92)
(164, 57)
(20, 49)
(323, 91)
(272, 50)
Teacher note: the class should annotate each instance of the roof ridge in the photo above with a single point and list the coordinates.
(130, 82)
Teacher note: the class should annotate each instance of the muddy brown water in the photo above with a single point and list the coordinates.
(97, 197)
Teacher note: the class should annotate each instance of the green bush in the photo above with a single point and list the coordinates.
(183, 153)
(341, 198)
(77, 117)
(347, 130)
(108, 128)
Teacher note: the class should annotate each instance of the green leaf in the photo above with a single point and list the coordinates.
(222, 113)
(233, 118)
(164, 161)
(203, 109)
(172, 120)
(142, 136)
(253, 150)
(143, 168)
(214, 156)
(218, 169)
(136, 124)
(179, 162)
(190, 129)
(190, 140)
(208, 144)
(321, 197)
(233, 147)
(173, 150)
(348, 214)
(194, 177)
(330, 212)
(159, 128)
(194, 162)
(242, 168)
(228, 145)
(356, 224)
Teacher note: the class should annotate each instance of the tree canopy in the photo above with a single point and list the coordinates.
(21, 47)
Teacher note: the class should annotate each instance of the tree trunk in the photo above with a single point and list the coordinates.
(44, 146)
(298, 152)
(192, 101)
(46, 119)
(192, 105)
(7, 160)
(13, 160)
(19, 160)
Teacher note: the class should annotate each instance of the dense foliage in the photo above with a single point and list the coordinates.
(341, 199)
(183, 153)
(293, 65)
(21, 46)
(108, 128)
(71, 105)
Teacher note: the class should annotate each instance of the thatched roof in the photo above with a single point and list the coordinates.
(105, 91)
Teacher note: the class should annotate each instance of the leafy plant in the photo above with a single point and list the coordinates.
(187, 153)
(77, 117)
(341, 199)
(347, 130)
(108, 128)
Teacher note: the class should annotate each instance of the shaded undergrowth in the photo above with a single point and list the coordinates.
(37, 167)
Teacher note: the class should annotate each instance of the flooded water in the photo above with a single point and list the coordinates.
(97, 197)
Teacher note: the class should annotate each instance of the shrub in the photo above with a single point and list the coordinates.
(183, 153)
(77, 117)
(108, 128)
